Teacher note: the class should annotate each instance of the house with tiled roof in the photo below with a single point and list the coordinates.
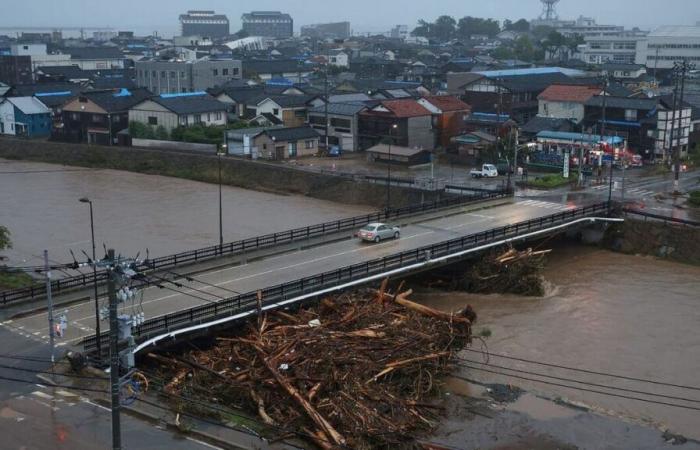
(179, 110)
(403, 122)
(450, 113)
(565, 101)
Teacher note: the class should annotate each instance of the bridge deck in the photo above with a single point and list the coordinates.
(217, 284)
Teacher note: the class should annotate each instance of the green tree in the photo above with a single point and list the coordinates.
(423, 29)
(469, 26)
(521, 25)
(555, 44)
(161, 133)
(540, 32)
(503, 52)
(5, 241)
(524, 49)
(444, 28)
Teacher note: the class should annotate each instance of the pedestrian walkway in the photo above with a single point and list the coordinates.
(547, 205)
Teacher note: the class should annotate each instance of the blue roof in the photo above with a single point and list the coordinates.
(578, 137)
(531, 71)
(184, 94)
(279, 82)
(123, 93)
(52, 94)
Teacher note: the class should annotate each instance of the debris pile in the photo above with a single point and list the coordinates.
(357, 371)
(498, 272)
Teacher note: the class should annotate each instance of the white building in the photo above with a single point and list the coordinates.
(669, 44)
(173, 110)
(339, 58)
(622, 48)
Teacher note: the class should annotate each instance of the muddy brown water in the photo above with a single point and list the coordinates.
(605, 312)
(39, 204)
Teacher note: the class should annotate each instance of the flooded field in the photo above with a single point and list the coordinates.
(604, 312)
(39, 204)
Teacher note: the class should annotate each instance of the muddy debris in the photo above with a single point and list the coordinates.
(360, 370)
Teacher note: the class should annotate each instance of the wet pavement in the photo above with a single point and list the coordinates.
(135, 212)
(605, 312)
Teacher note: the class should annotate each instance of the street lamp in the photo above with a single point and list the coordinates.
(94, 273)
(222, 151)
(388, 170)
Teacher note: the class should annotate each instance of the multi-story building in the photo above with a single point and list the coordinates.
(342, 122)
(268, 23)
(399, 32)
(15, 69)
(176, 76)
(179, 110)
(204, 23)
(339, 30)
(669, 44)
(620, 47)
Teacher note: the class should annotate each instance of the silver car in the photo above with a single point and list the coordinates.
(377, 232)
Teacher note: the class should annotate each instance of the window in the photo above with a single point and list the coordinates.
(154, 74)
(276, 112)
(183, 120)
(341, 123)
(96, 118)
(264, 146)
(218, 116)
(173, 74)
(216, 72)
(75, 116)
(197, 118)
(630, 115)
(292, 149)
(162, 73)
(208, 117)
(152, 120)
(309, 145)
(235, 71)
(224, 72)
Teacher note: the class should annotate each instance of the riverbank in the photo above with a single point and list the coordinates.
(236, 172)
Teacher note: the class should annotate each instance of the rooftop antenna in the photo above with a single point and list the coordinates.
(549, 12)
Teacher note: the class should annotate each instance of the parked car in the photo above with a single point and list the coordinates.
(487, 171)
(377, 232)
(335, 151)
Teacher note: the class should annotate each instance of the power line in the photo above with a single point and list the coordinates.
(161, 286)
(63, 386)
(197, 280)
(558, 366)
(633, 391)
(578, 388)
(66, 375)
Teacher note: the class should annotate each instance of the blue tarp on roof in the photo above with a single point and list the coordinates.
(279, 82)
(578, 137)
(123, 93)
(623, 123)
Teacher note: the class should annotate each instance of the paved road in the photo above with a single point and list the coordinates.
(218, 284)
(35, 416)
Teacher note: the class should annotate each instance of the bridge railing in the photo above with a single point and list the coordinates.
(240, 247)
(664, 219)
(309, 285)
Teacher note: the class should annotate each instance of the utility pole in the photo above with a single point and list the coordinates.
(221, 214)
(50, 305)
(325, 104)
(602, 136)
(685, 67)
(98, 339)
(669, 154)
(114, 351)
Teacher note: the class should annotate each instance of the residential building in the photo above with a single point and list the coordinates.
(669, 44)
(565, 101)
(286, 143)
(644, 123)
(404, 121)
(511, 92)
(268, 23)
(338, 30)
(204, 23)
(339, 58)
(24, 116)
(16, 69)
(622, 71)
(291, 110)
(265, 70)
(397, 154)
(529, 131)
(96, 58)
(97, 117)
(343, 124)
(39, 55)
(174, 110)
(239, 141)
(176, 76)
(449, 114)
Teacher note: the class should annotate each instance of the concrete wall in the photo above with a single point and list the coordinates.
(237, 172)
(420, 132)
(561, 110)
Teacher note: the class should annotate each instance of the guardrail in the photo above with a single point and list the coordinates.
(664, 219)
(252, 244)
(271, 295)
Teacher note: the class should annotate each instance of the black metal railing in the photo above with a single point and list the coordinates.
(313, 284)
(252, 244)
(664, 219)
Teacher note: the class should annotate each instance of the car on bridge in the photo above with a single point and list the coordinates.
(377, 232)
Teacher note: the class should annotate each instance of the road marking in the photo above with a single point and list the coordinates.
(204, 444)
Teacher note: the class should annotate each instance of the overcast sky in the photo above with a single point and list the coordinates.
(364, 15)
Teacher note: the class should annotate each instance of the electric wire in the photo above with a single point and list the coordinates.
(592, 372)
(190, 278)
(588, 383)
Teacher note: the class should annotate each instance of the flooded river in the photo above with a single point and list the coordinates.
(604, 312)
(39, 204)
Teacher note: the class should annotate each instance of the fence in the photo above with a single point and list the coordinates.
(271, 295)
(252, 244)
(664, 219)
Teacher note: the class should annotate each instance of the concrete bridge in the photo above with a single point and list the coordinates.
(178, 304)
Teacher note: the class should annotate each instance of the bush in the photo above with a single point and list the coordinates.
(694, 198)
(549, 181)
(200, 134)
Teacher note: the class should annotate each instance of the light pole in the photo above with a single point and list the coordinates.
(94, 274)
(388, 170)
(219, 154)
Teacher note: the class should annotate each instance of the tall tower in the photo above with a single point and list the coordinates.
(549, 12)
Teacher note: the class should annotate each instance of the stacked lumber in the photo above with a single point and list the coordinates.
(360, 370)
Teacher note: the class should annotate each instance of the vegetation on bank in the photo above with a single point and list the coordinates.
(10, 280)
(198, 134)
